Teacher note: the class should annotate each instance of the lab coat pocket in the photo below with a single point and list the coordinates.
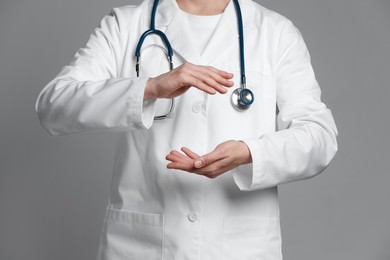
(248, 238)
(131, 235)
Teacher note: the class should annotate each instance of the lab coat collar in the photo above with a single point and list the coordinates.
(169, 18)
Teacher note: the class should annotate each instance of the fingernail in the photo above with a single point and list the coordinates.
(198, 164)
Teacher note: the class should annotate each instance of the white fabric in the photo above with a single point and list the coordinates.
(156, 213)
(201, 28)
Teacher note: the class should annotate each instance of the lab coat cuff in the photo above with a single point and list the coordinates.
(246, 176)
(141, 112)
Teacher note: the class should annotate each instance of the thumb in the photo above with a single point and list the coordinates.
(207, 159)
(199, 163)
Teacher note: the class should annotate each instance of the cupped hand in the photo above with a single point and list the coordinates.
(225, 157)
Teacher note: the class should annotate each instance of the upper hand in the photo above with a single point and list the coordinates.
(176, 82)
(225, 157)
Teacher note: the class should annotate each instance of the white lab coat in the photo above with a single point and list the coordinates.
(156, 213)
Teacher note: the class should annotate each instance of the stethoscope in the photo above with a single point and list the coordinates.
(241, 98)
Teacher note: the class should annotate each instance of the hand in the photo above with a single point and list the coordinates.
(226, 156)
(176, 82)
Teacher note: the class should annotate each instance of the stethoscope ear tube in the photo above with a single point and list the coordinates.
(141, 41)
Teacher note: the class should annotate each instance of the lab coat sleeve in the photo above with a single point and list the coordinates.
(87, 95)
(305, 141)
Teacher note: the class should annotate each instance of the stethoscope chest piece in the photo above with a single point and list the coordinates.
(242, 98)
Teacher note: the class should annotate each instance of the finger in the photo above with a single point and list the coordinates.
(177, 153)
(224, 74)
(224, 82)
(213, 170)
(177, 157)
(190, 153)
(180, 166)
(219, 76)
(216, 168)
(218, 82)
(207, 78)
(203, 69)
(208, 159)
(199, 84)
(207, 73)
(186, 79)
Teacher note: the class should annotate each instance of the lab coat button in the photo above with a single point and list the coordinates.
(192, 217)
(196, 107)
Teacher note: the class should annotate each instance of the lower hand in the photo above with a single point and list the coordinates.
(225, 157)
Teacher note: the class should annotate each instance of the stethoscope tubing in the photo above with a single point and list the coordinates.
(241, 93)
(241, 42)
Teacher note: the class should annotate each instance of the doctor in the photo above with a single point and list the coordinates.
(201, 183)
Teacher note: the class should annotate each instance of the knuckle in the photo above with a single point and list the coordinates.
(187, 65)
(182, 75)
(221, 150)
(209, 82)
(198, 83)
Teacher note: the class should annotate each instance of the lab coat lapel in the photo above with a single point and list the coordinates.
(170, 19)
(224, 36)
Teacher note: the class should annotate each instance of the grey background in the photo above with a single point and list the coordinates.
(53, 190)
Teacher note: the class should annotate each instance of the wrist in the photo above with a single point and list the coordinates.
(245, 153)
(150, 90)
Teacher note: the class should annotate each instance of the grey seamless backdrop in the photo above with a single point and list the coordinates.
(54, 190)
